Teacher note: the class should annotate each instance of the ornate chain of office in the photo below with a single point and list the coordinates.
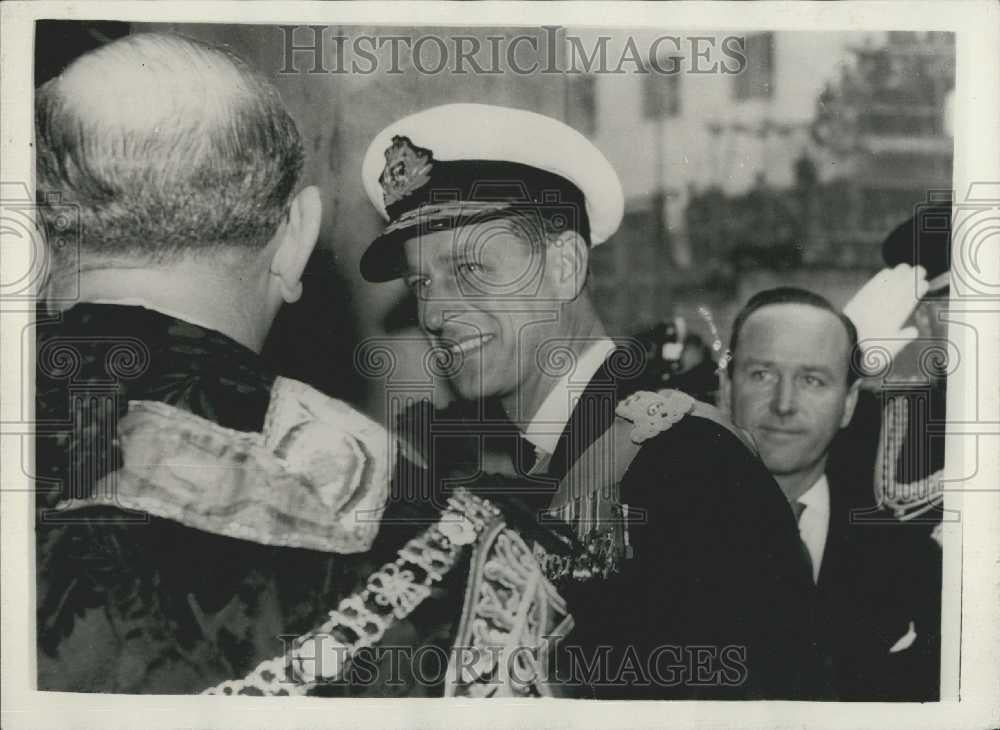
(361, 620)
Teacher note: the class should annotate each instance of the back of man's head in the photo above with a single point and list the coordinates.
(169, 147)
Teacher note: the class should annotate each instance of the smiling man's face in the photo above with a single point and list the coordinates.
(789, 385)
(485, 295)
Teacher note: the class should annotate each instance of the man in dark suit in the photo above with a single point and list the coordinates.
(792, 383)
(687, 580)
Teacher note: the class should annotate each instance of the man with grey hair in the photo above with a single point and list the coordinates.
(192, 504)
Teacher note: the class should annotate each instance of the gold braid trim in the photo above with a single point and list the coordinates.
(906, 500)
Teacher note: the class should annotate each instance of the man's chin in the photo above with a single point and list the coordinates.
(780, 464)
(472, 387)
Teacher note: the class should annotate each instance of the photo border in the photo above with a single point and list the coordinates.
(971, 605)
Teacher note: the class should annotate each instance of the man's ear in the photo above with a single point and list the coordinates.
(567, 264)
(725, 392)
(850, 403)
(297, 238)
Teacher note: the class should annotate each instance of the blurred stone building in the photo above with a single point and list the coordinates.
(791, 172)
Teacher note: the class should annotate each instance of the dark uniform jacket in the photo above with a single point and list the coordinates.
(716, 601)
(712, 604)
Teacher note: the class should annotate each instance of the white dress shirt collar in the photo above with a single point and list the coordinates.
(553, 414)
(814, 522)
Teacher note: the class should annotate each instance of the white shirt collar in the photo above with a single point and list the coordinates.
(553, 414)
(817, 496)
(814, 523)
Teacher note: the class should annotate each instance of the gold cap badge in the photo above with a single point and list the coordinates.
(407, 168)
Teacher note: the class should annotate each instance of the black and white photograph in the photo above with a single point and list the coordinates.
(580, 364)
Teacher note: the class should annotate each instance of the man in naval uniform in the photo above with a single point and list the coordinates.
(902, 317)
(895, 442)
(686, 578)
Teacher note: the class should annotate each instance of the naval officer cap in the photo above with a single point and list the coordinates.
(459, 164)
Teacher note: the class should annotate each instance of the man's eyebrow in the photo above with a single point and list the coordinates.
(420, 266)
(808, 368)
(444, 257)
(458, 257)
(818, 369)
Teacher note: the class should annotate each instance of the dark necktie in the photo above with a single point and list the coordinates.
(526, 455)
(797, 509)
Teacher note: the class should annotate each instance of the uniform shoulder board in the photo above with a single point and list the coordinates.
(653, 413)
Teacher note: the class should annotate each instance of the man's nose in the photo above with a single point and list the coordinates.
(439, 302)
(785, 397)
(431, 313)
